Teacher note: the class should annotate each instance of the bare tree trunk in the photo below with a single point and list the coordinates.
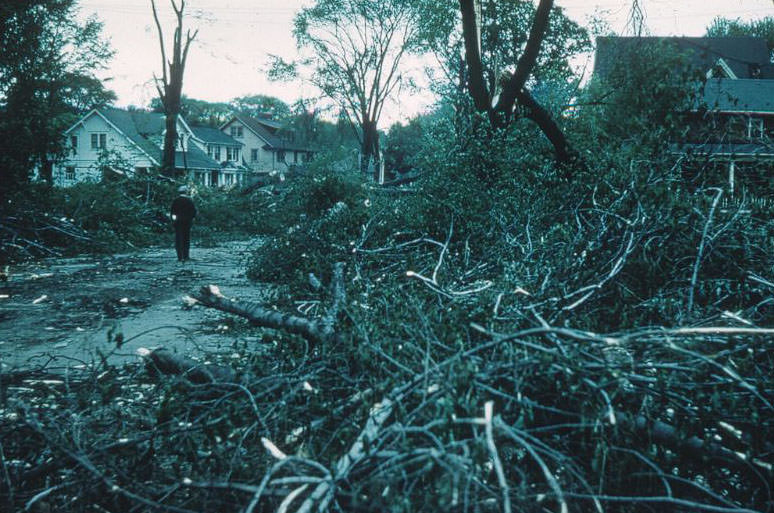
(564, 152)
(170, 139)
(170, 85)
(502, 113)
(476, 84)
(370, 148)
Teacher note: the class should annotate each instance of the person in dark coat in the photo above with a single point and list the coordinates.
(183, 213)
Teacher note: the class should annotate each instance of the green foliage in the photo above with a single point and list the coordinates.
(118, 215)
(402, 145)
(763, 27)
(48, 61)
(354, 51)
(198, 112)
(316, 221)
(641, 100)
(506, 286)
(505, 28)
(260, 104)
(611, 321)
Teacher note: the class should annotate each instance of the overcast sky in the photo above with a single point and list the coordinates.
(236, 37)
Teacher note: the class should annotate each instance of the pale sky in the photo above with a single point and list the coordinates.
(237, 36)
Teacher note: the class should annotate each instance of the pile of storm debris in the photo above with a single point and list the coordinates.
(325, 418)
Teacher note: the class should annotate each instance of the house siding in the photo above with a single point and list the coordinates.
(84, 162)
(266, 162)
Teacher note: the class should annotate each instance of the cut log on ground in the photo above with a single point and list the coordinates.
(163, 361)
(312, 330)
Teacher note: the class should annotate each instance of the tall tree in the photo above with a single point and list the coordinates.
(357, 48)
(48, 66)
(170, 85)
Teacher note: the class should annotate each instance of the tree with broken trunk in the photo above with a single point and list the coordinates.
(357, 48)
(499, 90)
(170, 85)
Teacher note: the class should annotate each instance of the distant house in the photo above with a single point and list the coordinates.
(109, 141)
(717, 57)
(222, 149)
(731, 125)
(734, 127)
(267, 148)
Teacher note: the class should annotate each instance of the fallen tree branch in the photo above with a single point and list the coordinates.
(704, 450)
(313, 331)
(164, 361)
(325, 491)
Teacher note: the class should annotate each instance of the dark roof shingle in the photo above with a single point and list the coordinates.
(146, 129)
(742, 54)
(213, 135)
(727, 95)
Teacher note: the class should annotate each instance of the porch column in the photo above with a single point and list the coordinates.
(731, 170)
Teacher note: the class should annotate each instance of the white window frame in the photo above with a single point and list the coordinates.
(69, 173)
(98, 140)
(74, 145)
(254, 155)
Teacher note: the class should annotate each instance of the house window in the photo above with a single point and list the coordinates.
(70, 173)
(237, 131)
(214, 178)
(254, 155)
(74, 144)
(229, 179)
(232, 153)
(216, 152)
(98, 141)
(280, 156)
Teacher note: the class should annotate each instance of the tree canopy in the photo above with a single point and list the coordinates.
(357, 47)
(48, 72)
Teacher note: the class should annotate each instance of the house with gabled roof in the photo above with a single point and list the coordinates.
(717, 57)
(731, 123)
(110, 141)
(268, 148)
(222, 149)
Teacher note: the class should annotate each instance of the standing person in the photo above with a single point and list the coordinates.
(183, 213)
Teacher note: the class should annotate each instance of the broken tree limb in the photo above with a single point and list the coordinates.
(163, 361)
(313, 331)
(338, 294)
(693, 447)
(324, 492)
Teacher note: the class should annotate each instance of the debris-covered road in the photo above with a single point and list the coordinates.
(61, 312)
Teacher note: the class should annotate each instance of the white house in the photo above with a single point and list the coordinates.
(267, 149)
(222, 149)
(126, 142)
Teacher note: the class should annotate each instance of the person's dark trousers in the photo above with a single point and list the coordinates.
(182, 240)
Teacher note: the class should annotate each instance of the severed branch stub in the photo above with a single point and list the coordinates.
(312, 330)
(163, 361)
